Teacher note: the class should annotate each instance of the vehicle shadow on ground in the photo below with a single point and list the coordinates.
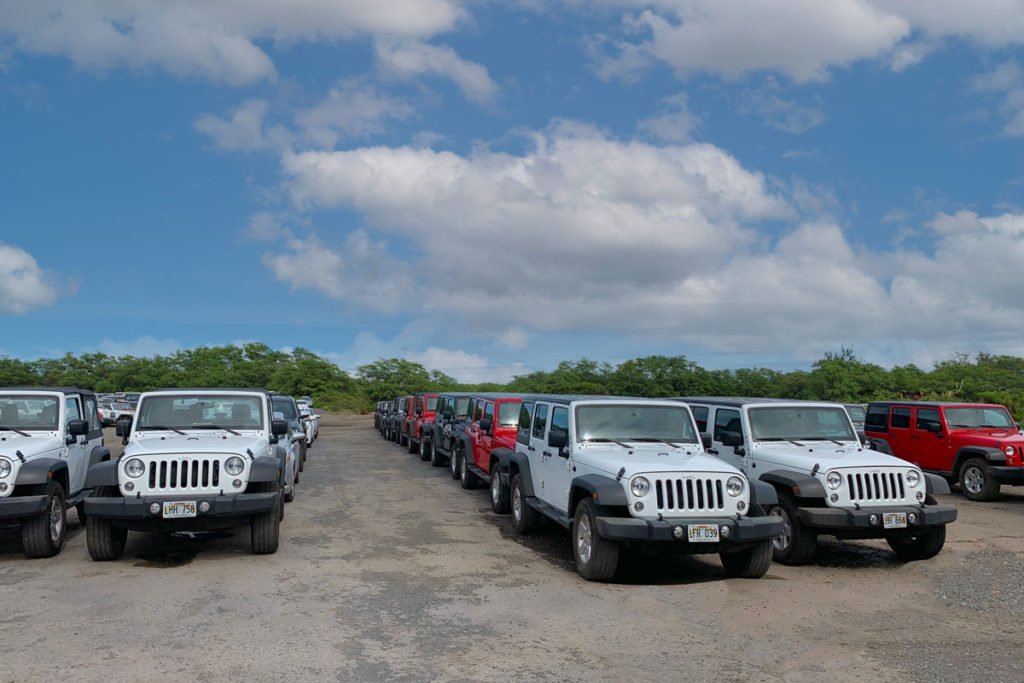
(10, 536)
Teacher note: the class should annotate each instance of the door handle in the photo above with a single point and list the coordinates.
(915, 436)
(547, 453)
(530, 448)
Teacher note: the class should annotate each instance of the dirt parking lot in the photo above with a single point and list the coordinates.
(387, 570)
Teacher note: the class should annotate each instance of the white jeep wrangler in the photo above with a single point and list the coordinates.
(620, 472)
(194, 459)
(827, 482)
(48, 439)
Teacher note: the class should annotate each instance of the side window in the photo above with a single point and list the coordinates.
(461, 407)
(876, 419)
(478, 410)
(726, 421)
(900, 418)
(523, 435)
(71, 410)
(489, 412)
(926, 417)
(560, 420)
(540, 421)
(700, 414)
(92, 415)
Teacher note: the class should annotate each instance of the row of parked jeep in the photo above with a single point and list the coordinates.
(751, 479)
(193, 460)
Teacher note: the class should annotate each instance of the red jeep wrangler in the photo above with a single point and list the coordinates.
(976, 445)
(494, 427)
(424, 408)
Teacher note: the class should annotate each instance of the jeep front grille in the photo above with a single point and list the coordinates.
(690, 494)
(184, 474)
(876, 486)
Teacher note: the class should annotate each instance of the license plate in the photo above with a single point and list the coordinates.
(181, 508)
(702, 533)
(894, 520)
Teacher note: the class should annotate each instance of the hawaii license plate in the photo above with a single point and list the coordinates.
(180, 508)
(702, 533)
(894, 520)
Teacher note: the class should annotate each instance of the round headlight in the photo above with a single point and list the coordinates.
(134, 468)
(1008, 450)
(5, 468)
(234, 466)
(834, 480)
(640, 487)
(913, 478)
(734, 486)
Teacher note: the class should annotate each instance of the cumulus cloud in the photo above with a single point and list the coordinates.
(775, 111)
(213, 39)
(674, 121)
(468, 368)
(1008, 80)
(408, 59)
(23, 284)
(242, 132)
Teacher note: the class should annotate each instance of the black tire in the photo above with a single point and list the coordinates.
(426, 448)
(410, 445)
(403, 438)
(467, 479)
(923, 545)
(43, 535)
(749, 563)
(105, 541)
(302, 461)
(975, 481)
(436, 459)
(265, 530)
(797, 543)
(453, 461)
(596, 557)
(500, 499)
(289, 497)
(524, 518)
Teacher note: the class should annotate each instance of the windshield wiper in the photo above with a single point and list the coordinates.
(161, 428)
(213, 426)
(604, 440)
(651, 439)
(12, 429)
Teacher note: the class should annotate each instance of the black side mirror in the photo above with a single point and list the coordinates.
(705, 440)
(78, 427)
(419, 412)
(278, 427)
(485, 425)
(732, 439)
(933, 427)
(558, 439)
(123, 427)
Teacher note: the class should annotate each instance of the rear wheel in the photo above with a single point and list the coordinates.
(796, 544)
(453, 462)
(436, 459)
(411, 445)
(976, 482)
(524, 518)
(43, 535)
(596, 557)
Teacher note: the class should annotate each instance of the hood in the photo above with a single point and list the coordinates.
(826, 454)
(992, 438)
(161, 443)
(40, 443)
(650, 457)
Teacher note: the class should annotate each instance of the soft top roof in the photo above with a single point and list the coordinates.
(572, 398)
(208, 390)
(63, 390)
(739, 401)
(933, 404)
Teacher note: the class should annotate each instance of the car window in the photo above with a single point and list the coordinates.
(92, 415)
(726, 421)
(540, 420)
(71, 410)
(700, 414)
(489, 412)
(508, 413)
(525, 415)
(926, 417)
(462, 406)
(900, 418)
(560, 420)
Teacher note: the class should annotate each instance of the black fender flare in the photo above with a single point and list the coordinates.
(267, 468)
(518, 462)
(991, 455)
(102, 474)
(934, 484)
(880, 445)
(466, 443)
(502, 456)
(800, 485)
(604, 490)
(762, 493)
(39, 471)
(98, 454)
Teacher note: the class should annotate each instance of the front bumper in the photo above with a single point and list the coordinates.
(16, 507)
(1006, 474)
(241, 505)
(742, 530)
(845, 518)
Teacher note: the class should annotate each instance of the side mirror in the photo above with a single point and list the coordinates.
(78, 427)
(278, 427)
(933, 427)
(419, 412)
(705, 440)
(123, 427)
(732, 439)
(485, 425)
(558, 439)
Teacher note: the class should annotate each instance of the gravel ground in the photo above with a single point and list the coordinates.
(389, 571)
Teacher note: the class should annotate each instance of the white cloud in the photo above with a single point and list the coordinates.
(350, 110)
(213, 39)
(786, 115)
(1007, 79)
(244, 130)
(514, 338)
(23, 284)
(468, 368)
(145, 346)
(674, 122)
(408, 59)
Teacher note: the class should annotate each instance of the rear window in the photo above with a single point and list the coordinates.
(489, 412)
(540, 421)
(900, 418)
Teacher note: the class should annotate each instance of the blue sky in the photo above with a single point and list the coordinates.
(489, 188)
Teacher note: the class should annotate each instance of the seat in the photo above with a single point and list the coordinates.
(240, 414)
(9, 417)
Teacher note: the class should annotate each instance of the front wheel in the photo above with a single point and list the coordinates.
(976, 481)
(749, 563)
(923, 545)
(265, 531)
(105, 541)
(467, 479)
(453, 462)
(436, 459)
(43, 535)
(596, 557)
(426, 448)
(524, 518)
(796, 544)
(499, 494)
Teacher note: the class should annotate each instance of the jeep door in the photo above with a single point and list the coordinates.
(541, 457)
(483, 440)
(92, 440)
(932, 450)
(901, 439)
(558, 468)
(726, 420)
(77, 452)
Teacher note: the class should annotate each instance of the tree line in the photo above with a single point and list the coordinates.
(837, 376)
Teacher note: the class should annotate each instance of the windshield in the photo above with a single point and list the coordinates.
(632, 422)
(209, 410)
(462, 406)
(994, 417)
(857, 413)
(285, 407)
(28, 412)
(796, 424)
(508, 414)
(431, 404)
